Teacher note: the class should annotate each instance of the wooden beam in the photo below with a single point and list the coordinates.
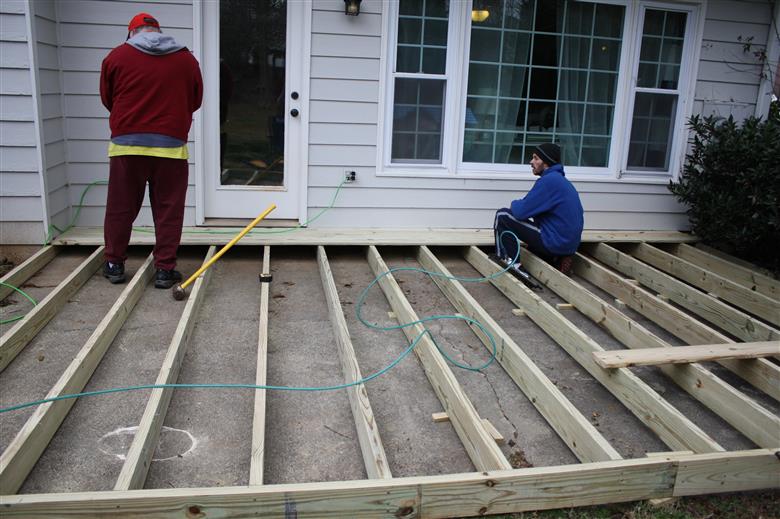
(734, 260)
(28, 445)
(750, 301)
(257, 460)
(750, 279)
(451, 495)
(759, 372)
(139, 456)
(354, 236)
(27, 269)
(671, 426)
(584, 440)
(687, 355)
(468, 425)
(741, 412)
(25, 330)
(371, 446)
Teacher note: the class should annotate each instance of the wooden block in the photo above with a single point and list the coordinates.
(564, 306)
(440, 417)
(632, 281)
(620, 304)
(519, 312)
(662, 502)
(492, 431)
(391, 315)
(663, 298)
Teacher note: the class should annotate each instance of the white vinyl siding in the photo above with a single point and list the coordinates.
(729, 75)
(21, 203)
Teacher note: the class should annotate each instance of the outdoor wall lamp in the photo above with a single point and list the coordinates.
(352, 7)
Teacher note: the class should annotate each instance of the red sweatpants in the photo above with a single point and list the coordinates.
(127, 180)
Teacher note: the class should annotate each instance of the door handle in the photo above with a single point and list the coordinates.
(294, 112)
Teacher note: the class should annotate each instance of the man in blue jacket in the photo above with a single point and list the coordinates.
(549, 219)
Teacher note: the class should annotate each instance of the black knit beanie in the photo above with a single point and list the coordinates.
(549, 153)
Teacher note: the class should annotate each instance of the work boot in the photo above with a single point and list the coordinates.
(166, 278)
(114, 272)
(565, 264)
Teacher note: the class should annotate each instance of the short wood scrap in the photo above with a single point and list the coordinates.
(492, 431)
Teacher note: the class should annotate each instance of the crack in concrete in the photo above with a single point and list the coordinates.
(334, 431)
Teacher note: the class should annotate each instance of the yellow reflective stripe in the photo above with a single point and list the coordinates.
(116, 150)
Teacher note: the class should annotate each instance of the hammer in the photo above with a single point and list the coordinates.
(179, 292)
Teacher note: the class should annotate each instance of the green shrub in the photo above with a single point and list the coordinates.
(731, 185)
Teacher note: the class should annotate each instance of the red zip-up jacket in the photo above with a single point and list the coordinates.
(150, 93)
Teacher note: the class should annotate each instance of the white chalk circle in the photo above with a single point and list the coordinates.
(172, 443)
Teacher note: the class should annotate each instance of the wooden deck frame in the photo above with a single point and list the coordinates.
(373, 451)
(761, 373)
(584, 440)
(21, 455)
(669, 424)
(687, 354)
(750, 279)
(25, 330)
(453, 495)
(27, 268)
(489, 491)
(740, 411)
(754, 302)
(139, 456)
(482, 449)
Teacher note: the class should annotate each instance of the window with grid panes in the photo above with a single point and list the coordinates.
(542, 71)
(419, 82)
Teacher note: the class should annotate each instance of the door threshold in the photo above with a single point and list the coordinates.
(243, 222)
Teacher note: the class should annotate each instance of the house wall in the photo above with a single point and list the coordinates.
(730, 74)
(69, 143)
(345, 104)
(21, 204)
(52, 120)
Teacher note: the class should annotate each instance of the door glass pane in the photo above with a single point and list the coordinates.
(252, 92)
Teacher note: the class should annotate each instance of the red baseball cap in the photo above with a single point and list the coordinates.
(142, 20)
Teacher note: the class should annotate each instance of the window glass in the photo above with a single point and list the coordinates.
(542, 71)
(418, 111)
(652, 123)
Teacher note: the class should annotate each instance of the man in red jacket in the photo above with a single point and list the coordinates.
(151, 85)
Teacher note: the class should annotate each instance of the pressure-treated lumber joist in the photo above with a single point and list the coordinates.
(750, 279)
(687, 354)
(671, 426)
(468, 425)
(257, 460)
(735, 261)
(27, 269)
(374, 456)
(716, 312)
(139, 456)
(584, 440)
(452, 495)
(743, 413)
(750, 301)
(20, 335)
(759, 372)
(28, 445)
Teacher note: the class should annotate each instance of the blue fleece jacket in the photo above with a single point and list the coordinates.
(555, 206)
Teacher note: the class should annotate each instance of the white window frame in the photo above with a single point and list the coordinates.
(456, 77)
